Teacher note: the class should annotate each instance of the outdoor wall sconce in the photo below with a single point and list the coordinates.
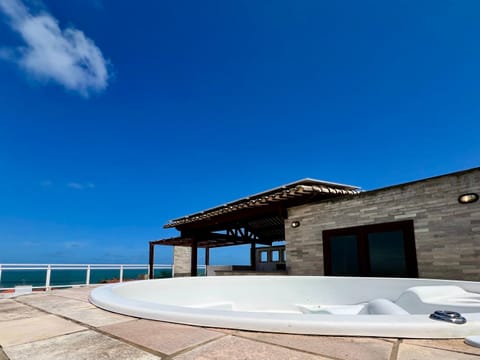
(295, 224)
(467, 198)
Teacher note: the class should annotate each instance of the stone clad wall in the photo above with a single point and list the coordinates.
(182, 260)
(447, 233)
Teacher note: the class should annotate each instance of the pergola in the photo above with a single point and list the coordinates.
(255, 219)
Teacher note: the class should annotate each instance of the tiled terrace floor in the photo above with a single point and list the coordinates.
(62, 324)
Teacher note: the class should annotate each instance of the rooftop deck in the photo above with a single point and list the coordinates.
(63, 324)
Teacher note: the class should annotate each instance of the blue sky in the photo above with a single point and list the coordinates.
(116, 118)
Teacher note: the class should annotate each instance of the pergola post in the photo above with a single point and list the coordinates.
(253, 262)
(194, 257)
(207, 259)
(207, 256)
(151, 257)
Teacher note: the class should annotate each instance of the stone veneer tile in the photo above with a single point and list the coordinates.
(85, 345)
(235, 348)
(445, 237)
(351, 348)
(22, 331)
(160, 336)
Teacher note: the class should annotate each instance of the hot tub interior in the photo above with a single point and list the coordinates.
(307, 305)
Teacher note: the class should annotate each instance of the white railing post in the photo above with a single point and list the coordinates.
(121, 273)
(47, 279)
(62, 281)
(87, 280)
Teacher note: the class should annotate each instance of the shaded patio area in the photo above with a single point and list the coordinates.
(257, 219)
(63, 324)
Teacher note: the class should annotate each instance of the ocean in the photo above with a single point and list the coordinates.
(67, 277)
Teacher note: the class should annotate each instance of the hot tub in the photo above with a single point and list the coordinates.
(319, 305)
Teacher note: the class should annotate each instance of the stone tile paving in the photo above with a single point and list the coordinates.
(53, 303)
(163, 337)
(231, 347)
(22, 331)
(412, 352)
(12, 310)
(73, 293)
(88, 345)
(77, 310)
(448, 344)
(94, 317)
(63, 324)
(351, 348)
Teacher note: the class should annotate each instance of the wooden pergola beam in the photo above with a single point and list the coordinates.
(300, 192)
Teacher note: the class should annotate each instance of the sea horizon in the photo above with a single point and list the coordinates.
(62, 277)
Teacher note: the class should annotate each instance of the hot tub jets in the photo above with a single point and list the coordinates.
(448, 316)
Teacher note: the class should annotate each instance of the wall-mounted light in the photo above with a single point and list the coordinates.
(467, 198)
(295, 224)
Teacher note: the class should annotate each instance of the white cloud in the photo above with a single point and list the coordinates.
(80, 186)
(74, 185)
(66, 56)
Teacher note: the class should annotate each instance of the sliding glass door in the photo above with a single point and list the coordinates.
(386, 249)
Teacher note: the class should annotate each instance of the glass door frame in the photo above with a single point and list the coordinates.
(361, 233)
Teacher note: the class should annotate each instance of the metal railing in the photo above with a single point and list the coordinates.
(47, 276)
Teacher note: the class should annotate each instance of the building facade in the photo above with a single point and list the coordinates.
(428, 228)
(446, 232)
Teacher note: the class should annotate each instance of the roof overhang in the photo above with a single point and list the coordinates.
(296, 193)
(258, 218)
(209, 242)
